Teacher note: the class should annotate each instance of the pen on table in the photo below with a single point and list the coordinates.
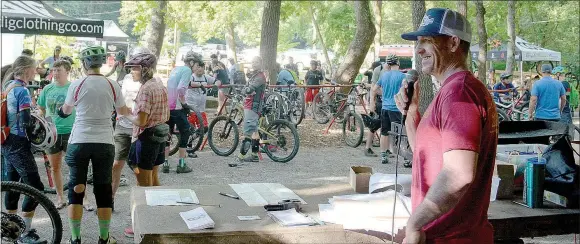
(229, 195)
(209, 205)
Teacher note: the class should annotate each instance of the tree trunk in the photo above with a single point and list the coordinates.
(360, 45)
(269, 38)
(511, 48)
(426, 94)
(377, 12)
(462, 9)
(155, 30)
(317, 28)
(230, 41)
(482, 34)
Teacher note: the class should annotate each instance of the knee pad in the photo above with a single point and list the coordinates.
(255, 145)
(74, 197)
(246, 144)
(103, 195)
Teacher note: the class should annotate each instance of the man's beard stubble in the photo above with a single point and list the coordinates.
(445, 59)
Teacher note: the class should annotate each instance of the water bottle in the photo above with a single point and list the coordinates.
(534, 176)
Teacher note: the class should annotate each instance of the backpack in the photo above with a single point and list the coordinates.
(294, 76)
(4, 116)
(239, 77)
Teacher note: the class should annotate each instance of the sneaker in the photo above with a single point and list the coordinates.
(253, 157)
(184, 169)
(237, 162)
(129, 232)
(30, 237)
(385, 157)
(77, 241)
(191, 154)
(165, 168)
(123, 181)
(369, 153)
(110, 240)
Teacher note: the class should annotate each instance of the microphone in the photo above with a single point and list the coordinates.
(412, 76)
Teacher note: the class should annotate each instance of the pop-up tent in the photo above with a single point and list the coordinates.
(525, 51)
(36, 17)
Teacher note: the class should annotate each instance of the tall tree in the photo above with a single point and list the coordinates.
(511, 29)
(155, 30)
(482, 36)
(462, 9)
(378, 14)
(363, 38)
(317, 30)
(269, 38)
(426, 94)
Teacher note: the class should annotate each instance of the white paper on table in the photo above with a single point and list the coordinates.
(168, 197)
(260, 194)
(290, 218)
(197, 219)
(379, 181)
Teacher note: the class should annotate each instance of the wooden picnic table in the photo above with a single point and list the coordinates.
(162, 224)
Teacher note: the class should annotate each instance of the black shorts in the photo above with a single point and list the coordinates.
(387, 117)
(79, 155)
(146, 154)
(60, 145)
(179, 118)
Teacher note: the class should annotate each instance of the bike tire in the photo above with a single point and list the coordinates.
(42, 201)
(297, 99)
(358, 122)
(318, 103)
(295, 136)
(233, 128)
(199, 134)
(174, 147)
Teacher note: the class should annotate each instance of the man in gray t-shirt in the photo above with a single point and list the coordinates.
(378, 72)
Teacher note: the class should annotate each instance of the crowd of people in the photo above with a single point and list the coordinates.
(453, 162)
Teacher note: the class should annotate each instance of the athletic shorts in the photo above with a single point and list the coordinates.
(179, 118)
(310, 94)
(60, 145)
(387, 117)
(250, 122)
(146, 154)
(100, 155)
(122, 138)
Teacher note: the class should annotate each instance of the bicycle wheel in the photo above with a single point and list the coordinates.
(352, 129)
(237, 115)
(174, 142)
(297, 106)
(282, 142)
(13, 225)
(223, 136)
(197, 133)
(321, 110)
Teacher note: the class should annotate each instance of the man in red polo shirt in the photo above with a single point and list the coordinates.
(454, 142)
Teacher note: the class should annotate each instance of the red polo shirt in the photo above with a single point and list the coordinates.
(462, 116)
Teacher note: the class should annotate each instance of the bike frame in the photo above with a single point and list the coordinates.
(343, 103)
(511, 108)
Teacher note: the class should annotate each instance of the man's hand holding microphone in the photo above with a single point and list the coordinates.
(409, 90)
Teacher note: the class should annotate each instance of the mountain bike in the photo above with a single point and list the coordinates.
(293, 105)
(516, 109)
(50, 188)
(45, 214)
(195, 139)
(341, 108)
(278, 136)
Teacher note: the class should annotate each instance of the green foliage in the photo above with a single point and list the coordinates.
(45, 46)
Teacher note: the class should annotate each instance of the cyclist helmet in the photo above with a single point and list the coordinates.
(505, 76)
(558, 69)
(371, 121)
(138, 50)
(392, 59)
(45, 136)
(190, 56)
(93, 56)
(120, 56)
(68, 59)
(145, 60)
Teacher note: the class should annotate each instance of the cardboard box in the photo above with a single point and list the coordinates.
(505, 171)
(360, 177)
(556, 199)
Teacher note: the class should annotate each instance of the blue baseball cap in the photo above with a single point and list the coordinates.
(442, 22)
